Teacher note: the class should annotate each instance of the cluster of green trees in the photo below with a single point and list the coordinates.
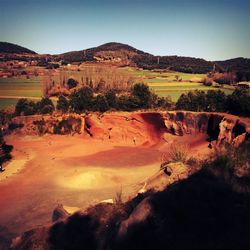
(84, 99)
(139, 97)
(237, 103)
(29, 107)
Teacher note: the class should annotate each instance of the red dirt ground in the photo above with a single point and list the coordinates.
(75, 171)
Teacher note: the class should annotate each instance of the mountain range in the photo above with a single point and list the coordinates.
(123, 54)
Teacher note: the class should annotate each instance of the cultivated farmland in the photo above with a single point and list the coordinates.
(173, 84)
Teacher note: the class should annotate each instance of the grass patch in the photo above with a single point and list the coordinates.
(21, 87)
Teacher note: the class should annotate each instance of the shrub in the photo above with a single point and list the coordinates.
(25, 107)
(47, 109)
(53, 66)
(62, 104)
(5, 150)
(40, 126)
(178, 152)
(111, 98)
(45, 106)
(101, 103)
(118, 197)
(5, 117)
(128, 103)
(222, 165)
(229, 161)
(192, 161)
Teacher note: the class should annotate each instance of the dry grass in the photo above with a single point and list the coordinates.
(178, 152)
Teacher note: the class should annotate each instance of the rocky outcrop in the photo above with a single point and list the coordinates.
(139, 127)
(169, 174)
(50, 124)
(218, 126)
(59, 213)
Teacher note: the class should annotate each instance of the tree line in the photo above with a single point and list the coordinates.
(139, 97)
(238, 103)
(85, 99)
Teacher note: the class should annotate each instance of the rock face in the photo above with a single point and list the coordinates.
(168, 175)
(218, 126)
(49, 124)
(139, 127)
(59, 213)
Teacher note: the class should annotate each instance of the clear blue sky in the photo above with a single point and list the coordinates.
(215, 29)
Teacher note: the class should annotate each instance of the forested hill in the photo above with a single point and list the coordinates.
(14, 48)
(175, 63)
(239, 63)
(127, 55)
(106, 52)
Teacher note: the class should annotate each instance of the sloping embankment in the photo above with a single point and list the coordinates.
(140, 127)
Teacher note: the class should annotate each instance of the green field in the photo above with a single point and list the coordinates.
(175, 93)
(151, 76)
(11, 89)
(21, 87)
(166, 84)
(174, 90)
(5, 102)
(162, 83)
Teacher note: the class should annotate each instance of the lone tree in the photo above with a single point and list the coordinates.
(82, 99)
(111, 98)
(101, 103)
(72, 83)
(143, 93)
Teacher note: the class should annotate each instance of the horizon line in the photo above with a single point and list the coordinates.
(169, 55)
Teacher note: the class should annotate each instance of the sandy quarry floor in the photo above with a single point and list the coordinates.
(74, 171)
